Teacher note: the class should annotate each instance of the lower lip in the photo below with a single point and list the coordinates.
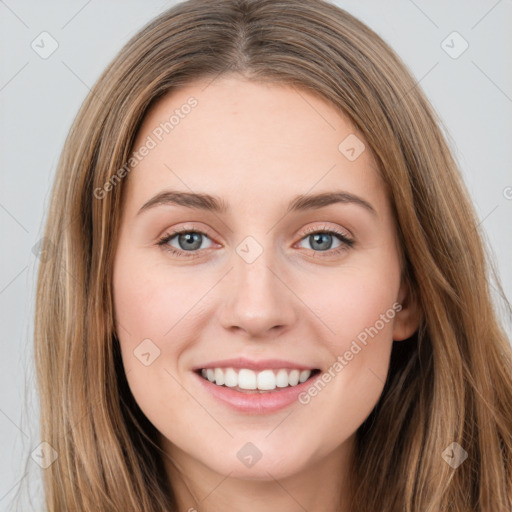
(257, 403)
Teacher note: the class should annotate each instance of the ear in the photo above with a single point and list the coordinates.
(407, 320)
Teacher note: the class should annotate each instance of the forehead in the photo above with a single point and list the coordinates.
(262, 141)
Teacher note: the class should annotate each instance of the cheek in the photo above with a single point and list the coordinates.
(150, 302)
(360, 311)
(148, 311)
(357, 304)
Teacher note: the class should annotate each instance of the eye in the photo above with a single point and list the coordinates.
(188, 242)
(323, 240)
(179, 242)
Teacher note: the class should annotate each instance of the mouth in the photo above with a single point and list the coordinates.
(249, 381)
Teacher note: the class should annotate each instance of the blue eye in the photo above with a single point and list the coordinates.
(187, 240)
(322, 241)
(190, 242)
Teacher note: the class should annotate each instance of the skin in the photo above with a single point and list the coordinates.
(256, 146)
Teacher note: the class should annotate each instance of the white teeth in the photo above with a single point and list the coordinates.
(246, 379)
(265, 380)
(219, 376)
(304, 375)
(282, 379)
(230, 378)
(293, 378)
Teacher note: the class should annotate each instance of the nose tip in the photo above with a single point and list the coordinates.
(256, 301)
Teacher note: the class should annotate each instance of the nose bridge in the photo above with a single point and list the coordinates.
(257, 301)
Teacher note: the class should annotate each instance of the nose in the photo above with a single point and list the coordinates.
(258, 301)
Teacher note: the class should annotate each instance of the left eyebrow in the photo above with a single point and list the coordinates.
(216, 204)
(188, 199)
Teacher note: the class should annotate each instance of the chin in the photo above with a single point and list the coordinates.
(265, 463)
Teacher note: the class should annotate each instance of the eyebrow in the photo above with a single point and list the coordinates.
(216, 204)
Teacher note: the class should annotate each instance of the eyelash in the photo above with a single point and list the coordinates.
(346, 243)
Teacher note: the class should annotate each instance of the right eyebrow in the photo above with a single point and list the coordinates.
(323, 199)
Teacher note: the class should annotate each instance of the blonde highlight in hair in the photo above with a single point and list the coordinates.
(450, 382)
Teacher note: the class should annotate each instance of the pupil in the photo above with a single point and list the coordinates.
(323, 241)
(189, 241)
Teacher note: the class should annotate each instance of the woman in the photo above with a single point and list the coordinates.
(267, 279)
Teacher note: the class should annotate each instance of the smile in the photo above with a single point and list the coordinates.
(247, 380)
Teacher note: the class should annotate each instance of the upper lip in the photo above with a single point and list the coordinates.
(264, 364)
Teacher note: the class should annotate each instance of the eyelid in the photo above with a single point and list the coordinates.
(163, 240)
(345, 239)
(327, 229)
(186, 228)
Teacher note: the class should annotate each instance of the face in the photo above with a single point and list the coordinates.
(269, 257)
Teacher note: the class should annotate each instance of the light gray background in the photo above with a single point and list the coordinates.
(40, 97)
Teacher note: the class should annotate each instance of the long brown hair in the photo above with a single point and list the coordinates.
(450, 382)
